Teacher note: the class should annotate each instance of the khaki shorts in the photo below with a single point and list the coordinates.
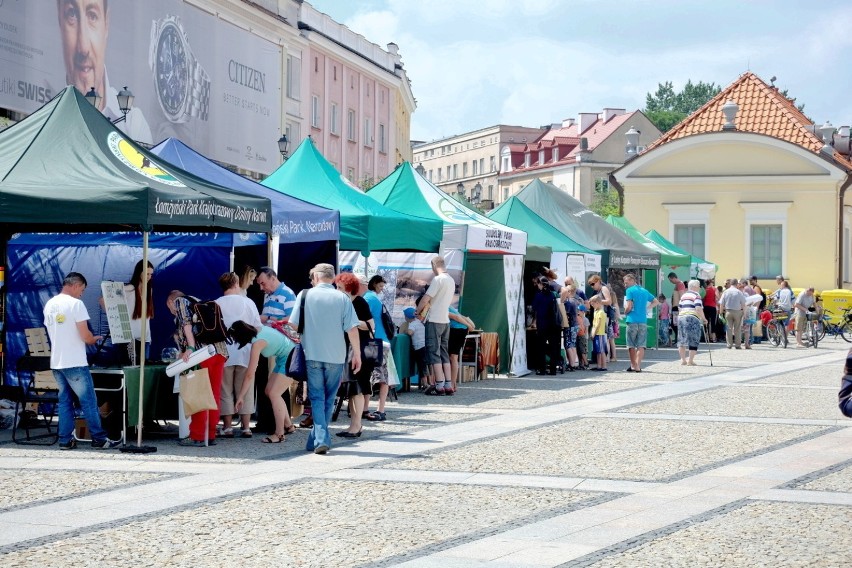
(232, 382)
(801, 320)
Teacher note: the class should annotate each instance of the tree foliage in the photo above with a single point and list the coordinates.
(604, 199)
(665, 107)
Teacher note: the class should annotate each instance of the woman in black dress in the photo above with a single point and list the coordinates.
(358, 385)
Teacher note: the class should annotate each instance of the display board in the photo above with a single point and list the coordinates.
(118, 317)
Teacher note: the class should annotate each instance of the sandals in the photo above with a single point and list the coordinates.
(290, 430)
(246, 433)
(227, 433)
(273, 439)
(377, 416)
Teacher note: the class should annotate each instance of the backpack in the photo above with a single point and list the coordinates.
(844, 397)
(387, 323)
(207, 324)
(560, 317)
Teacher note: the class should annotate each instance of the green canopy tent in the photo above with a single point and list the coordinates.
(514, 213)
(67, 168)
(699, 268)
(582, 225)
(480, 245)
(365, 225)
(670, 260)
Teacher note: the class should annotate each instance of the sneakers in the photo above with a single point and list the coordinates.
(105, 444)
(69, 445)
(321, 450)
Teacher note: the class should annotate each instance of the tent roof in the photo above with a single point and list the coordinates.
(407, 191)
(695, 260)
(67, 165)
(293, 220)
(515, 214)
(365, 225)
(668, 257)
(575, 220)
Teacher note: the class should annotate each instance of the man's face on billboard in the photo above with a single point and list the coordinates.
(84, 26)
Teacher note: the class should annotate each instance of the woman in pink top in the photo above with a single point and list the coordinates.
(710, 310)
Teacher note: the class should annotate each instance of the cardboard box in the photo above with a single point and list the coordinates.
(81, 429)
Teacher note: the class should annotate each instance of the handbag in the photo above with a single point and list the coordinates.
(387, 323)
(196, 392)
(372, 351)
(844, 397)
(297, 366)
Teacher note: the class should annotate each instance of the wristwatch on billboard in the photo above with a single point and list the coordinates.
(182, 85)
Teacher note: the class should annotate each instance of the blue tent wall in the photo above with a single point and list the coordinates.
(34, 274)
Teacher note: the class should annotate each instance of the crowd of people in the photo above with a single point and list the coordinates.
(334, 361)
(564, 319)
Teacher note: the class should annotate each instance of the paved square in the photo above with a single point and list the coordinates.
(746, 462)
(611, 448)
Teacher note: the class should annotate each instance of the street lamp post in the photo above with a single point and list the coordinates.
(420, 170)
(460, 189)
(283, 145)
(125, 102)
(476, 194)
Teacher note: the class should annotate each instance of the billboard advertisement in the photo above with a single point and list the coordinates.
(195, 77)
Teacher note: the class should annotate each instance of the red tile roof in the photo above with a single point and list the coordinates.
(567, 139)
(762, 110)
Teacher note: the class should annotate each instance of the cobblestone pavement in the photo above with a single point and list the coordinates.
(743, 463)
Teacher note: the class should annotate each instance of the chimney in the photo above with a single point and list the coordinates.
(609, 113)
(587, 119)
(729, 109)
(583, 152)
(567, 123)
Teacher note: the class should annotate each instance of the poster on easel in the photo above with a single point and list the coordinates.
(118, 316)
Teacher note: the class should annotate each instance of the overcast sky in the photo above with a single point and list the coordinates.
(476, 63)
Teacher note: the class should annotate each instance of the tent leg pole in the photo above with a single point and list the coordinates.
(139, 448)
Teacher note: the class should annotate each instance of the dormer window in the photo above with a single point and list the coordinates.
(541, 157)
(555, 155)
(527, 159)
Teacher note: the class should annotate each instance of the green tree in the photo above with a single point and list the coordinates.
(665, 107)
(605, 200)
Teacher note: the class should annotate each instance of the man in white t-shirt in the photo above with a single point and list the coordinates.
(436, 307)
(66, 317)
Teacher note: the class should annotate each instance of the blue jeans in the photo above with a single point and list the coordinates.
(323, 382)
(79, 380)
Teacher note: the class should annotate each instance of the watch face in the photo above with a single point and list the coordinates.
(172, 71)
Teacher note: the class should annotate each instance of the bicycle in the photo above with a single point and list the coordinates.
(843, 328)
(811, 332)
(776, 329)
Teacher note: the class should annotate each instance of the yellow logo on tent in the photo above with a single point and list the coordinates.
(138, 162)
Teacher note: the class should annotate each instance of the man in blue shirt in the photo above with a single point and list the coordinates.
(279, 299)
(637, 302)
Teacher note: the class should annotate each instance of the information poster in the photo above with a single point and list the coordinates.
(118, 317)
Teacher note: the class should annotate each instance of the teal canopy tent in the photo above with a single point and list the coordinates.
(365, 225)
(699, 268)
(669, 258)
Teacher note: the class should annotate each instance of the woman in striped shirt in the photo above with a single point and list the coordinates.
(690, 321)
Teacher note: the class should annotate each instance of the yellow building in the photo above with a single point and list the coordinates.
(750, 183)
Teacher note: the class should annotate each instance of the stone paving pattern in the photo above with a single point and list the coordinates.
(611, 449)
(340, 530)
(738, 538)
(745, 463)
